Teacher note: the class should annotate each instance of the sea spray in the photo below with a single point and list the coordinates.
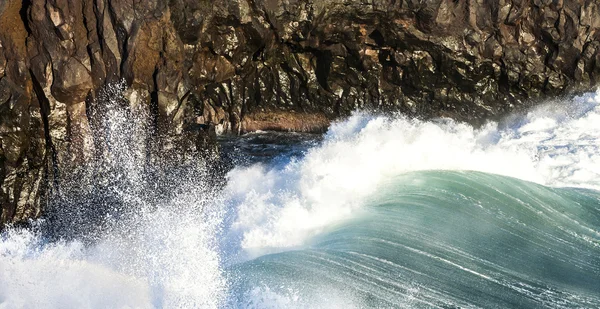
(557, 144)
(130, 228)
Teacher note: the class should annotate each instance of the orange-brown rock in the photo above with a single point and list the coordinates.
(285, 121)
(240, 65)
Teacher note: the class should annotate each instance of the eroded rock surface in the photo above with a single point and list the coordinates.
(240, 65)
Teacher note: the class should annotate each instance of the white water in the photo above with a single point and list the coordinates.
(162, 261)
(167, 256)
(163, 254)
(557, 144)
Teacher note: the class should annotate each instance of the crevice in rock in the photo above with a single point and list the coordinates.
(259, 54)
(323, 69)
(257, 94)
(154, 108)
(377, 36)
(25, 4)
(50, 148)
(91, 114)
(99, 27)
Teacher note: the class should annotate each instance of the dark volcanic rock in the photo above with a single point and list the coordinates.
(242, 65)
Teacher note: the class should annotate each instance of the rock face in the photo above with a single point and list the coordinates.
(239, 65)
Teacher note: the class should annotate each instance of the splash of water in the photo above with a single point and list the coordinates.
(114, 237)
(556, 144)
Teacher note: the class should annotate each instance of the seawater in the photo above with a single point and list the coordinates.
(382, 211)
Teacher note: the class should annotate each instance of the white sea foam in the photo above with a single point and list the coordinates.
(556, 144)
(158, 253)
(165, 260)
(266, 298)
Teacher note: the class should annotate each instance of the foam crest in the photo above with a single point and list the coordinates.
(166, 259)
(35, 275)
(556, 144)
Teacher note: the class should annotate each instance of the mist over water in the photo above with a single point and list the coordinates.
(383, 211)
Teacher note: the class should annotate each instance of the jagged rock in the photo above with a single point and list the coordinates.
(72, 81)
(238, 65)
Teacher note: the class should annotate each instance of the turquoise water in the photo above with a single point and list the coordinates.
(444, 239)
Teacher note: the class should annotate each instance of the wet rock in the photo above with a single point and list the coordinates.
(236, 66)
(72, 81)
(285, 121)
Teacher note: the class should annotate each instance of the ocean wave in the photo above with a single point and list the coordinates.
(557, 144)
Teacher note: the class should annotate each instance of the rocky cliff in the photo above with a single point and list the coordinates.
(240, 65)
